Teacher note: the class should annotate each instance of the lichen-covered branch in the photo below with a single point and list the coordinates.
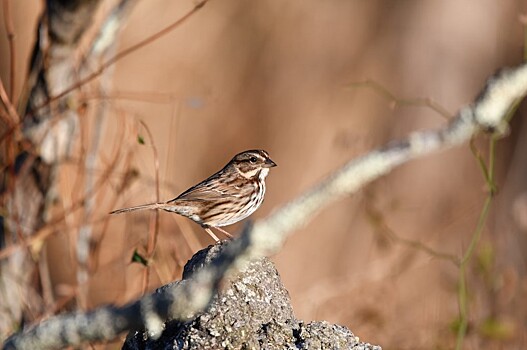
(184, 300)
(487, 113)
(180, 301)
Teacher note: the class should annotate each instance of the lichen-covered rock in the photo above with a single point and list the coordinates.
(252, 312)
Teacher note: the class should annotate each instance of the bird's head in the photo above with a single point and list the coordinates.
(252, 163)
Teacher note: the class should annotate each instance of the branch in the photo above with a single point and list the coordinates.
(107, 35)
(121, 55)
(487, 113)
(184, 299)
(180, 301)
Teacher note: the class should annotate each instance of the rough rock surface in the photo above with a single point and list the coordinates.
(252, 312)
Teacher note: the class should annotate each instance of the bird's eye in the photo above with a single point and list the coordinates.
(253, 160)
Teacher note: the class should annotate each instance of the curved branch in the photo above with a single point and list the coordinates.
(184, 299)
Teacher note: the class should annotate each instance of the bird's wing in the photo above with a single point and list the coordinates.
(204, 194)
(206, 191)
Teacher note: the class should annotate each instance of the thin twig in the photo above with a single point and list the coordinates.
(48, 229)
(154, 219)
(119, 141)
(123, 54)
(377, 218)
(109, 63)
(10, 31)
(14, 119)
(387, 94)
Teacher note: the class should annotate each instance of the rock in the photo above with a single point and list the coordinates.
(252, 312)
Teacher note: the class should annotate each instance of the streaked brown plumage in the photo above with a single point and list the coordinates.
(224, 198)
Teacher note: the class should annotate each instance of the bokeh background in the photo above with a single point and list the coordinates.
(282, 76)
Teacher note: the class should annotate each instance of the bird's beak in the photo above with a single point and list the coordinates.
(269, 163)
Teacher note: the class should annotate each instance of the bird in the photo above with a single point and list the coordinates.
(224, 198)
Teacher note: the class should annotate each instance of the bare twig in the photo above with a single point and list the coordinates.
(12, 117)
(46, 231)
(378, 220)
(10, 31)
(129, 174)
(396, 100)
(154, 219)
(108, 64)
(123, 54)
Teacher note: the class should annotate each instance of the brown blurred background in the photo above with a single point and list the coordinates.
(277, 75)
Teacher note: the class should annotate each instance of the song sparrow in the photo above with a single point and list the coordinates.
(224, 198)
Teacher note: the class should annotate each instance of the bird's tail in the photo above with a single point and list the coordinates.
(151, 206)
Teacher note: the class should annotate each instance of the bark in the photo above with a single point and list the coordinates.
(48, 132)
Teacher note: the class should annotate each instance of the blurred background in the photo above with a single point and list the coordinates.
(282, 76)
